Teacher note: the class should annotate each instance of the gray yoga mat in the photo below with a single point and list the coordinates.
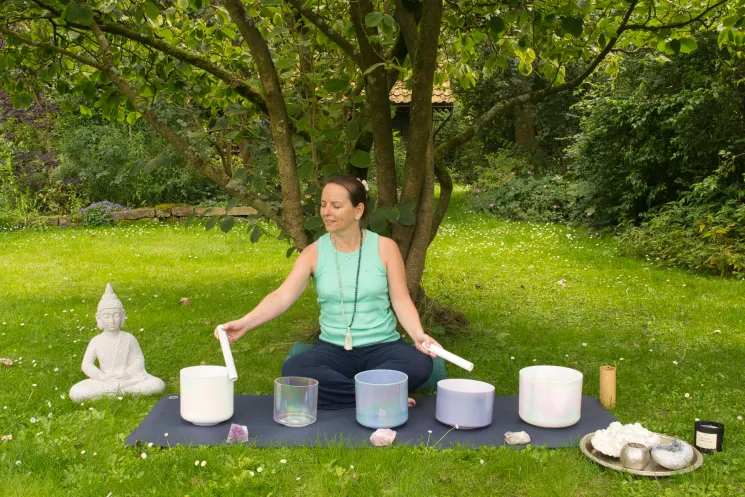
(341, 427)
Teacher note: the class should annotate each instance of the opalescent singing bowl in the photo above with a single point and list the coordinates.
(295, 401)
(206, 395)
(466, 403)
(550, 396)
(382, 398)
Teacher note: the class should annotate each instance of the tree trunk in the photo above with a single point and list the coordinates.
(524, 128)
(420, 122)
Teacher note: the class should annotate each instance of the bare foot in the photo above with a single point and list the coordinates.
(412, 402)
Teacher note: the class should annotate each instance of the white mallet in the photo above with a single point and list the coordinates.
(448, 356)
(232, 373)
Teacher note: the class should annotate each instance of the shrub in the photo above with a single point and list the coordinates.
(526, 198)
(17, 207)
(99, 213)
(703, 230)
(658, 128)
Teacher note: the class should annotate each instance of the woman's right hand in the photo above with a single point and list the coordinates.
(233, 329)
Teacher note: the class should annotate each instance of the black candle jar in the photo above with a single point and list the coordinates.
(708, 436)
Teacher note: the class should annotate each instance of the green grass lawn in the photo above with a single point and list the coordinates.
(676, 337)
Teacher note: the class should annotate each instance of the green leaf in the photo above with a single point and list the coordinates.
(572, 26)
(21, 100)
(241, 174)
(392, 214)
(222, 122)
(256, 233)
(378, 219)
(211, 223)
(373, 19)
(227, 224)
(729, 21)
(496, 25)
(688, 45)
(352, 130)
(151, 10)
(336, 84)
(81, 14)
(303, 172)
(189, 220)
(360, 159)
(387, 26)
(525, 68)
(290, 251)
(286, 62)
(328, 170)
(491, 62)
(372, 68)
(85, 111)
(161, 160)
(407, 218)
(313, 223)
(674, 45)
(232, 203)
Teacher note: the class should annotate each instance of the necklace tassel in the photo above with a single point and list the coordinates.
(348, 340)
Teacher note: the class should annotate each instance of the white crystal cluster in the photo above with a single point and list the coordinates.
(611, 440)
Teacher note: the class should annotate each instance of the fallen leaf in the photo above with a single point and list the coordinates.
(202, 363)
(5, 361)
(6, 438)
(185, 301)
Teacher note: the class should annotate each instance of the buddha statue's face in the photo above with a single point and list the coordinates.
(110, 320)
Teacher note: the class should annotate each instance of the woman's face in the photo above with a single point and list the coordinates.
(336, 209)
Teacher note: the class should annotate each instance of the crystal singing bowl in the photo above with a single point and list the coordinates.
(466, 403)
(382, 398)
(206, 395)
(550, 396)
(295, 401)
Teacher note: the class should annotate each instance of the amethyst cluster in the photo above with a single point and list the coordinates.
(237, 433)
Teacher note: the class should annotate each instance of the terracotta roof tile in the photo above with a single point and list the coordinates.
(441, 94)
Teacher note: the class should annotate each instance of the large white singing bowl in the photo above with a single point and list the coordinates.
(466, 403)
(206, 395)
(550, 396)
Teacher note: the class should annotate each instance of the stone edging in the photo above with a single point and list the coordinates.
(179, 212)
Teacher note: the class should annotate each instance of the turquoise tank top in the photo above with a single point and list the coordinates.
(374, 321)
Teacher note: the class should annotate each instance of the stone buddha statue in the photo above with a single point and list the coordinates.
(121, 365)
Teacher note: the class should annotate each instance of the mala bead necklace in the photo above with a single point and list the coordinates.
(348, 338)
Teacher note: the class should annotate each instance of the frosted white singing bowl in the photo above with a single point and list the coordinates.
(381, 398)
(550, 396)
(466, 403)
(206, 395)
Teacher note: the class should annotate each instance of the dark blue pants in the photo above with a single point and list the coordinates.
(335, 368)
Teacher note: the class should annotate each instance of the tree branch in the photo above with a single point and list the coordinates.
(327, 30)
(202, 163)
(645, 27)
(279, 122)
(47, 46)
(192, 58)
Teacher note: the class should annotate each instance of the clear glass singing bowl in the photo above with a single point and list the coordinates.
(295, 401)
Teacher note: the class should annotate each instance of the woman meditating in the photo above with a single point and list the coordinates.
(360, 280)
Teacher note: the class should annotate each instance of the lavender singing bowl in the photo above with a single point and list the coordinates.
(382, 398)
(466, 403)
(550, 396)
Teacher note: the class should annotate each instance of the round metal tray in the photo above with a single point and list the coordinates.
(652, 469)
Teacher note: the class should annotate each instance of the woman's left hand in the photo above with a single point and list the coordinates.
(423, 341)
